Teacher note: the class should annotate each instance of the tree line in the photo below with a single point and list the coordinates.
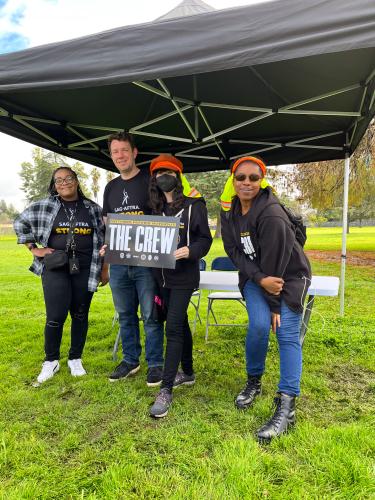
(313, 189)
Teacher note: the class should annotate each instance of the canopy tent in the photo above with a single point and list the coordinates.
(293, 81)
(187, 8)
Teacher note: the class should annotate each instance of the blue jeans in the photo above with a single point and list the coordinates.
(131, 286)
(287, 336)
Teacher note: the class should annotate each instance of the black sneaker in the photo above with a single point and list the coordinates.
(154, 376)
(248, 394)
(183, 379)
(162, 403)
(123, 370)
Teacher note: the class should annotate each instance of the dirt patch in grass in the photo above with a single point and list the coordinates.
(351, 396)
(352, 258)
(350, 379)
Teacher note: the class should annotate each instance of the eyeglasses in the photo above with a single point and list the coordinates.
(68, 180)
(251, 177)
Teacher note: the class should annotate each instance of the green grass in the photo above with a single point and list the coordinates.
(87, 438)
(329, 238)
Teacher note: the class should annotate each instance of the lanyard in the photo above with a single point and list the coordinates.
(70, 243)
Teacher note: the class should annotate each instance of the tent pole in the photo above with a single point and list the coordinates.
(344, 230)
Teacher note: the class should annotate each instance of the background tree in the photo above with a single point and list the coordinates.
(109, 175)
(36, 175)
(7, 212)
(364, 211)
(83, 177)
(210, 185)
(321, 184)
(95, 177)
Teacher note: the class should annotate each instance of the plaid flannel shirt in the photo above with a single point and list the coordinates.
(34, 225)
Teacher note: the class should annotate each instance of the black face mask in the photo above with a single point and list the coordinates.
(166, 182)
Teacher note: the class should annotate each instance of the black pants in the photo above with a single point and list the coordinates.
(63, 293)
(179, 340)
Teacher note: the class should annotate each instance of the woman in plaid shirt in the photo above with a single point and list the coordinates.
(44, 228)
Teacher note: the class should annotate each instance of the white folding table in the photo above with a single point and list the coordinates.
(325, 286)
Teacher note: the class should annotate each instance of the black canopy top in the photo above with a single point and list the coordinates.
(292, 81)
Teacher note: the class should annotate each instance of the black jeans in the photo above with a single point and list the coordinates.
(179, 340)
(63, 293)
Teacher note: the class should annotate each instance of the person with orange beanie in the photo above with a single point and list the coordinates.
(167, 197)
(274, 275)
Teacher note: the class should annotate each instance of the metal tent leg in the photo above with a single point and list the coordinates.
(344, 229)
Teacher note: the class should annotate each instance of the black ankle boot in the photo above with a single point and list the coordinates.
(283, 418)
(248, 394)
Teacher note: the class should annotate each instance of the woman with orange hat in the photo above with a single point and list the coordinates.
(274, 275)
(171, 195)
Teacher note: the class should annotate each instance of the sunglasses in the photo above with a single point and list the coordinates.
(251, 177)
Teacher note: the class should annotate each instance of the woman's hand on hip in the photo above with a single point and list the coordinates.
(272, 284)
(41, 252)
(182, 253)
(275, 321)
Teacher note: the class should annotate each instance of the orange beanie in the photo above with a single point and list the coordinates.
(166, 161)
(252, 159)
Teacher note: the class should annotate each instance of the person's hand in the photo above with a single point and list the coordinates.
(102, 250)
(41, 252)
(182, 253)
(272, 284)
(275, 321)
(104, 276)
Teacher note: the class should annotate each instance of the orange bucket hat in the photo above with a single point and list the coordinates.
(166, 161)
(253, 159)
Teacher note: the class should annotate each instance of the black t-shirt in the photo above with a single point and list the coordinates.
(83, 231)
(127, 197)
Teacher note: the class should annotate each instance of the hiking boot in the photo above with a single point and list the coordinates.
(248, 394)
(123, 370)
(183, 379)
(283, 418)
(162, 403)
(154, 376)
(49, 368)
(76, 368)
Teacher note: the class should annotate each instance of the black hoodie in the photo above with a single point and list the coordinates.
(194, 233)
(262, 243)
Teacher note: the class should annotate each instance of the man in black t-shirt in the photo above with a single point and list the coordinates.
(132, 285)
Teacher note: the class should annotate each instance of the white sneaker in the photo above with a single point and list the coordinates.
(49, 368)
(76, 368)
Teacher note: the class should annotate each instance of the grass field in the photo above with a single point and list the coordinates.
(86, 438)
(329, 238)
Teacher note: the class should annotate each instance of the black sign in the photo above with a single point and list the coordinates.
(141, 240)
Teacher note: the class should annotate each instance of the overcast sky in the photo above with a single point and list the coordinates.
(27, 23)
